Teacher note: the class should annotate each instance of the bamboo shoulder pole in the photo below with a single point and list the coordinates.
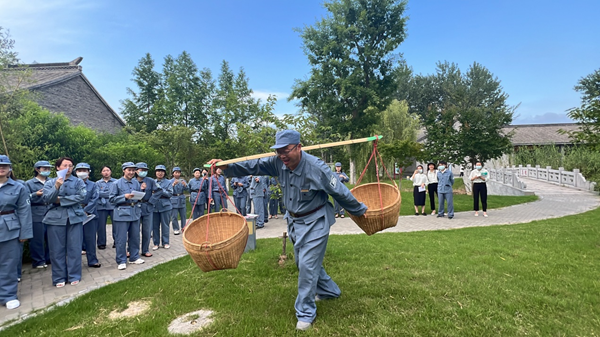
(307, 148)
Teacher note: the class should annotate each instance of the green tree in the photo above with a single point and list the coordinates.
(465, 114)
(353, 57)
(588, 114)
(13, 79)
(184, 94)
(38, 134)
(140, 111)
(399, 130)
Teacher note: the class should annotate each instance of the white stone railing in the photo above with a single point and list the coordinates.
(503, 176)
(508, 177)
(561, 177)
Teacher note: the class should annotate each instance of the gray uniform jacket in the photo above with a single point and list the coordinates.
(198, 186)
(445, 181)
(163, 204)
(178, 198)
(71, 193)
(91, 199)
(16, 225)
(125, 209)
(153, 193)
(260, 186)
(305, 190)
(38, 206)
(240, 191)
(104, 190)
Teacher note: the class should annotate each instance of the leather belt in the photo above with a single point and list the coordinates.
(126, 204)
(7, 212)
(299, 215)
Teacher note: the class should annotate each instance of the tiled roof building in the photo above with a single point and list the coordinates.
(541, 134)
(62, 87)
(531, 134)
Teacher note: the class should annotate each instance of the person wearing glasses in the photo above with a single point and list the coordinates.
(65, 223)
(306, 182)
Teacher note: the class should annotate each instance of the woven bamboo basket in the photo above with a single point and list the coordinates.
(377, 218)
(227, 237)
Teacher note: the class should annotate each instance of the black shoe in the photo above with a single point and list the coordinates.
(416, 213)
(424, 214)
(97, 265)
(450, 217)
(266, 221)
(102, 247)
(259, 227)
(440, 216)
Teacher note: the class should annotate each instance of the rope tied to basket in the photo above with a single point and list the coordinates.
(375, 154)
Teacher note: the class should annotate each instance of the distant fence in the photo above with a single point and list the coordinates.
(505, 176)
(562, 177)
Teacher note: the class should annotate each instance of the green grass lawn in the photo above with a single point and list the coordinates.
(535, 279)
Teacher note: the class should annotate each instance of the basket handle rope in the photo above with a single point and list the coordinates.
(375, 153)
(206, 243)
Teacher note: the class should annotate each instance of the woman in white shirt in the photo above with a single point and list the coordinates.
(419, 189)
(479, 176)
(432, 184)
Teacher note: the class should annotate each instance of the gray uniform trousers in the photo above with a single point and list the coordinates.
(9, 261)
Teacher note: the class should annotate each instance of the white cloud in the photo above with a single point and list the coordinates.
(547, 118)
(263, 95)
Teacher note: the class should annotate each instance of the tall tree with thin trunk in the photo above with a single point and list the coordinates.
(140, 110)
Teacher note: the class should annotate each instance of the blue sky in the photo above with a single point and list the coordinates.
(537, 49)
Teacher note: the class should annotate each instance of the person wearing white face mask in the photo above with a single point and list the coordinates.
(64, 221)
(445, 182)
(89, 204)
(479, 177)
(419, 180)
(38, 245)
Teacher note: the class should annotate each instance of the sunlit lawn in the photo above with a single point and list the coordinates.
(535, 279)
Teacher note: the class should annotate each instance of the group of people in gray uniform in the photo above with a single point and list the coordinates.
(65, 218)
(261, 191)
(51, 212)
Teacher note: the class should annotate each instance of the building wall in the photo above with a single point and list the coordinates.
(80, 104)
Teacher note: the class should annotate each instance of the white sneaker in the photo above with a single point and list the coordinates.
(122, 266)
(42, 266)
(13, 304)
(138, 261)
(303, 325)
(176, 232)
(317, 298)
(476, 214)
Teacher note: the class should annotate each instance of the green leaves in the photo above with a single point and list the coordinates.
(352, 56)
(463, 114)
(588, 114)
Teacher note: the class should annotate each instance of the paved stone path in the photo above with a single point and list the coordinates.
(36, 290)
